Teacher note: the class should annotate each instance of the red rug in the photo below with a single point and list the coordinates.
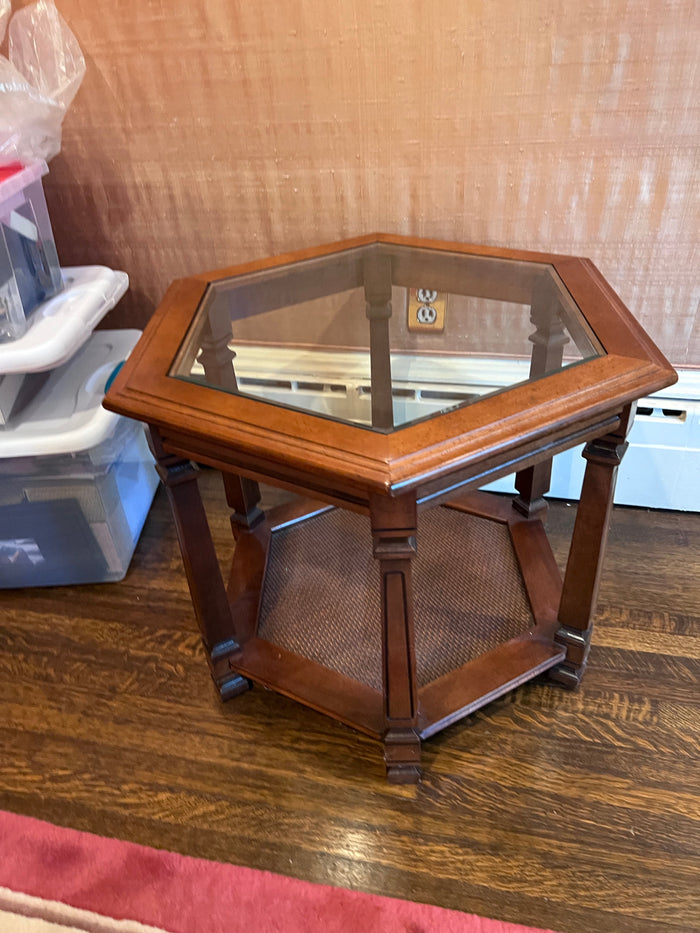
(53, 878)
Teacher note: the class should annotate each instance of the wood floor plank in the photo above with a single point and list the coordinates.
(578, 811)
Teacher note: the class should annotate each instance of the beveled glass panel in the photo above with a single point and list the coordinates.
(382, 336)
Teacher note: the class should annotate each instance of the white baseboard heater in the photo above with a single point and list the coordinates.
(660, 470)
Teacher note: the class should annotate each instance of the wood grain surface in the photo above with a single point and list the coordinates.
(577, 811)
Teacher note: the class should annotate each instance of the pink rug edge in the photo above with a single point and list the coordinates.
(159, 888)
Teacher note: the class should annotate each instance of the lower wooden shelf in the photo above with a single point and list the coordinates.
(304, 592)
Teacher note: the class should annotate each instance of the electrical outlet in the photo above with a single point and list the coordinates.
(426, 310)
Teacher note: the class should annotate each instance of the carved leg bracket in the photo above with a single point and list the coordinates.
(532, 485)
(243, 496)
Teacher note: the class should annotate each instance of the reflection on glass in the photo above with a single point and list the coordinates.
(383, 336)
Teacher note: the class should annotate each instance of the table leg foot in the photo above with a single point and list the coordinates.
(570, 671)
(402, 775)
(402, 756)
(567, 676)
(231, 686)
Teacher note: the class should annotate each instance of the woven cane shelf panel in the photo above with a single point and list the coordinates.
(321, 598)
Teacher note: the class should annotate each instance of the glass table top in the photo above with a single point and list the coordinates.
(382, 336)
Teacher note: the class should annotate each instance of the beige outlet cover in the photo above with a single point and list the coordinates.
(426, 310)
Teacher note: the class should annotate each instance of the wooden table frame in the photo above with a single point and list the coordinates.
(390, 478)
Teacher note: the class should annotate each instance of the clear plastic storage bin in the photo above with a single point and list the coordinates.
(29, 269)
(76, 481)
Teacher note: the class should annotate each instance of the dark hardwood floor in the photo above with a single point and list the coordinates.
(575, 811)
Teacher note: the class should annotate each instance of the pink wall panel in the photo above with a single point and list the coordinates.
(209, 132)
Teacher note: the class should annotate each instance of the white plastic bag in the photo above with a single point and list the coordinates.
(38, 82)
(5, 10)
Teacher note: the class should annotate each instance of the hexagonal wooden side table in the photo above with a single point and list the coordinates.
(388, 379)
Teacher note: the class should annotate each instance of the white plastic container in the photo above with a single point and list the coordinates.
(57, 329)
(29, 269)
(61, 325)
(76, 481)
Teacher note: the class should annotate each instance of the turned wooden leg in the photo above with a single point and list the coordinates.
(548, 342)
(585, 563)
(206, 585)
(377, 279)
(215, 355)
(394, 532)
